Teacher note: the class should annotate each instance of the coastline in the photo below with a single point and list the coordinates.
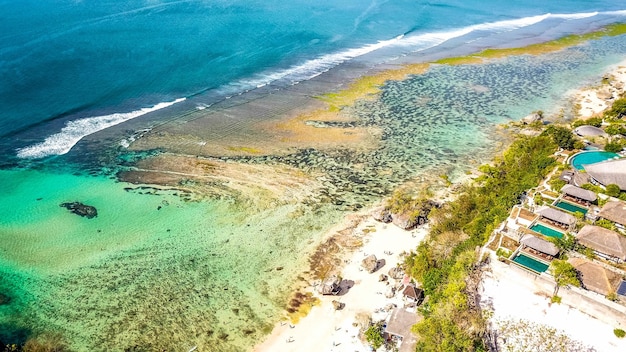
(339, 330)
(235, 178)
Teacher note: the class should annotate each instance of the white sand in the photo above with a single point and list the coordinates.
(325, 329)
(512, 294)
(596, 99)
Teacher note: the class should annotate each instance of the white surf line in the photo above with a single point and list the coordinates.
(61, 143)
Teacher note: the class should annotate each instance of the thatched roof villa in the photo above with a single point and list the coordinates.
(579, 194)
(589, 131)
(605, 242)
(608, 172)
(399, 328)
(540, 245)
(614, 211)
(595, 277)
(556, 216)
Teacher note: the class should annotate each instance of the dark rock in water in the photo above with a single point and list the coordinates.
(4, 299)
(81, 209)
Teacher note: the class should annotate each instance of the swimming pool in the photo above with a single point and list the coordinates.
(546, 231)
(530, 263)
(570, 207)
(586, 158)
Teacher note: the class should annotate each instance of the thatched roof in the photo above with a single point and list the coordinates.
(579, 193)
(370, 263)
(589, 131)
(614, 211)
(603, 240)
(609, 172)
(400, 323)
(595, 277)
(413, 292)
(540, 245)
(557, 215)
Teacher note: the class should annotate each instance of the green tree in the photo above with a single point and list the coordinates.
(564, 274)
(594, 121)
(613, 147)
(612, 190)
(617, 110)
(562, 136)
(615, 129)
(565, 243)
(374, 335)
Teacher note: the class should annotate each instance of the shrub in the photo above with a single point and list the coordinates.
(619, 333)
(615, 129)
(562, 136)
(613, 147)
(374, 335)
(501, 252)
(612, 190)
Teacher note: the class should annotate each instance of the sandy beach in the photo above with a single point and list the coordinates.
(514, 295)
(594, 100)
(334, 330)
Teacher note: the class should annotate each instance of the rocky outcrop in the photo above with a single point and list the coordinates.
(78, 208)
(416, 217)
(534, 117)
(396, 273)
(382, 214)
(338, 305)
(370, 263)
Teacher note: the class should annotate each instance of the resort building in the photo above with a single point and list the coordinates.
(589, 131)
(557, 217)
(604, 242)
(398, 329)
(413, 294)
(579, 195)
(616, 212)
(608, 172)
(595, 277)
(539, 247)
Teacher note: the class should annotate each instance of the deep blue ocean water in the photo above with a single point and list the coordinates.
(66, 60)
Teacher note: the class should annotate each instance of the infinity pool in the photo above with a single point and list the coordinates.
(586, 158)
(531, 263)
(546, 231)
(570, 207)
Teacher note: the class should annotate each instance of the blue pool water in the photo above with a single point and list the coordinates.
(546, 231)
(570, 207)
(587, 158)
(531, 263)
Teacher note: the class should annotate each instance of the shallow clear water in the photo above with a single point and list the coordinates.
(161, 270)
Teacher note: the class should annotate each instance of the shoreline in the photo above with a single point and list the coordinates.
(350, 269)
(339, 331)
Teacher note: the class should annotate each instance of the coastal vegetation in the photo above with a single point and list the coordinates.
(446, 263)
(564, 274)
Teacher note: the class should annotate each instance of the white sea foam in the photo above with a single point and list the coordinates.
(74, 131)
(309, 69)
(314, 67)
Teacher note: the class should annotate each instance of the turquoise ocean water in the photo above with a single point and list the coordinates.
(161, 270)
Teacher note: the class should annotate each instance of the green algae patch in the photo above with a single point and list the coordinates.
(369, 86)
(537, 49)
(246, 150)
